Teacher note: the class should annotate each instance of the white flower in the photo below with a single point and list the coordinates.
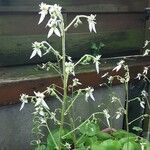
(146, 43)
(53, 25)
(91, 21)
(142, 104)
(144, 94)
(40, 100)
(107, 116)
(43, 121)
(139, 75)
(44, 11)
(110, 79)
(89, 93)
(36, 49)
(53, 30)
(96, 61)
(55, 10)
(147, 51)
(118, 114)
(39, 110)
(24, 100)
(69, 68)
(119, 65)
(114, 99)
(145, 71)
(76, 82)
(68, 146)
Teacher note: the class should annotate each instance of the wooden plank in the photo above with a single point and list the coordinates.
(76, 5)
(17, 80)
(27, 24)
(19, 31)
(16, 50)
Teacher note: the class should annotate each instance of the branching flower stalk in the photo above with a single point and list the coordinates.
(64, 67)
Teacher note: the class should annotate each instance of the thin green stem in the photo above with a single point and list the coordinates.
(65, 80)
(142, 116)
(69, 107)
(127, 106)
(51, 134)
(72, 22)
(148, 134)
(81, 124)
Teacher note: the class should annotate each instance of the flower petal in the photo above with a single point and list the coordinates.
(57, 32)
(44, 104)
(50, 32)
(39, 53)
(33, 54)
(41, 17)
(22, 105)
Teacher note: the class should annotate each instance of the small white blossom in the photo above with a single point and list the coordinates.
(53, 25)
(147, 51)
(43, 121)
(118, 114)
(91, 21)
(96, 61)
(110, 79)
(36, 49)
(40, 100)
(145, 71)
(146, 43)
(76, 82)
(69, 68)
(24, 100)
(144, 94)
(114, 99)
(119, 65)
(68, 146)
(44, 11)
(142, 104)
(139, 75)
(55, 10)
(107, 116)
(89, 93)
(39, 110)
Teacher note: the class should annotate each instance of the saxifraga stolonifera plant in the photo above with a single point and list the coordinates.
(65, 67)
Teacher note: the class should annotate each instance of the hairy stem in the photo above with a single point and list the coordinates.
(65, 80)
(127, 106)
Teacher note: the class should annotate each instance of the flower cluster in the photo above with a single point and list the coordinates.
(89, 93)
(55, 20)
(91, 21)
(69, 68)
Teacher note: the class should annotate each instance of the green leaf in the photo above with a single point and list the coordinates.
(108, 145)
(126, 139)
(95, 146)
(103, 136)
(89, 129)
(121, 134)
(131, 146)
(90, 140)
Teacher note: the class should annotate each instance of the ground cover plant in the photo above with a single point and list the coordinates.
(85, 135)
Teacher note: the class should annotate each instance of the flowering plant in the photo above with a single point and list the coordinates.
(68, 135)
